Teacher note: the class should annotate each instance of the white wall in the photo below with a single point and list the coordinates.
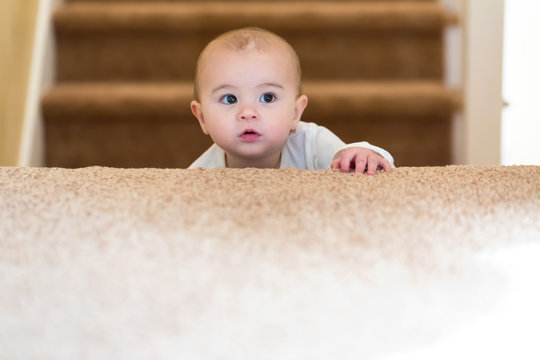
(17, 23)
(521, 83)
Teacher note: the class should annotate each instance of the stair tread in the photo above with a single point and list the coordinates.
(173, 98)
(178, 16)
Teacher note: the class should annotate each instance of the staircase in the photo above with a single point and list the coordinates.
(373, 70)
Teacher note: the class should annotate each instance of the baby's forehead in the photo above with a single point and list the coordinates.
(216, 50)
(268, 46)
(242, 43)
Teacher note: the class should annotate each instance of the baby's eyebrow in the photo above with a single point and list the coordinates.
(270, 84)
(223, 87)
(232, 87)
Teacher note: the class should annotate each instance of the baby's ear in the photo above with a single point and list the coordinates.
(300, 105)
(196, 109)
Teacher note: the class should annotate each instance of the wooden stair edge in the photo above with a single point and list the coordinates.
(160, 99)
(174, 17)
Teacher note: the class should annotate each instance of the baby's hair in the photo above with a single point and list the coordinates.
(246, 39)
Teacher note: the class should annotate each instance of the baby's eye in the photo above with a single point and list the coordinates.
(267, 98)
(229, 99)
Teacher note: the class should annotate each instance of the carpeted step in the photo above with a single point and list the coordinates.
(159, 41)
(174, 16)
(157, 100)
(150, 125)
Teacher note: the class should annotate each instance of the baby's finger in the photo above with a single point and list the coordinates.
(335, 163)
(372, 165)
(346, 160)
(360, 164)
(385, 165)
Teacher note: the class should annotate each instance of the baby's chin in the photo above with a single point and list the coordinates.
(258, 159)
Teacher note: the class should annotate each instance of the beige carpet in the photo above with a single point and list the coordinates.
(420, 263)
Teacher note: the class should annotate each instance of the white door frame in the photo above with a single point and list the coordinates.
(474, 58)
(42, 74)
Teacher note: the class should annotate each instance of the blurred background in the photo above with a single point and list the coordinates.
(521, 84)
(109, 82)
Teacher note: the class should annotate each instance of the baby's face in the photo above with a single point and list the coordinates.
(249, 100)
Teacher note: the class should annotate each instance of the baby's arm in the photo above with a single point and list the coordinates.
(360, 159)
(325, 150)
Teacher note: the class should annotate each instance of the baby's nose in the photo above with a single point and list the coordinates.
(248, 112)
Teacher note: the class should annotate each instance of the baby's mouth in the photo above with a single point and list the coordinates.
(250, 135)
(250, 131)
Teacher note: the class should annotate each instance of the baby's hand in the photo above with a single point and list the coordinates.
(361, 160)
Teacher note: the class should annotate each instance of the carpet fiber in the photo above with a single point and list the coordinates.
(269, 264)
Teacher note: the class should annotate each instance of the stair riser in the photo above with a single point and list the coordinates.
(127, 144)
(176, 142)
(330, 55)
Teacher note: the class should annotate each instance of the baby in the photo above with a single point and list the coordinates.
(248, 99)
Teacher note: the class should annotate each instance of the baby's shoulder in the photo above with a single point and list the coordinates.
(305, 127)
